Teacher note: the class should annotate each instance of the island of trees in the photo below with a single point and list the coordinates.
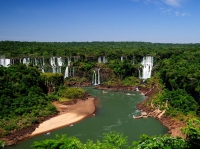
(25, 89)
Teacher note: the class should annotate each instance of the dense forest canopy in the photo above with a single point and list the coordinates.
(110, 49)
(175, 74)
(23, 98)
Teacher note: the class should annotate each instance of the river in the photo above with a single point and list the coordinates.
(114, 113)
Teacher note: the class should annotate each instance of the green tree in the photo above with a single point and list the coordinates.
(161, 142)
(192, 132)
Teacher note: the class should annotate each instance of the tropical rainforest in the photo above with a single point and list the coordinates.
(25, 90)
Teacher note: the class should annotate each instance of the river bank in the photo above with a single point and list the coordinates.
(172, 124)
(72, 113)
(67, 114)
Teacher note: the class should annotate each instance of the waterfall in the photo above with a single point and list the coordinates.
(53, 64)
(54, 69)
(147, 63)
(104, 59)
(5, 62)
(53, 61)
(59, 61)
(2, 62)
(36, 61)
(122, 58)
(42, 68)
(68, 61)
(43, 62)
(98, 76)
(26, 61)
(58, 69)
(94, 78)
(66, 72)
(99, 59)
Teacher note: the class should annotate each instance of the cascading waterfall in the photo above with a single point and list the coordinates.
(53, 64)
(68, 61)
(104, 59)
(5, 62)
(60, 63)
(122, 58)
(66, 72)
(26, 61)
(43, 63)
(36, 61)
(99, 76)
(99, 59)
(59, 60)
(54, 69)
(147, 63)
(94, 78)
(2, 62)
(53, 61)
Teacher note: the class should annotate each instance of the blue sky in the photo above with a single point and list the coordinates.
(164, 21)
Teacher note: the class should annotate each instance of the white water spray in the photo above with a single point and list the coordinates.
(66, 72)
(5, 62)
(99, 76)
(94, 78)
(147, 63)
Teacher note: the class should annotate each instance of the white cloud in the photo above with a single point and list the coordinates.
(172, 9)
(174, 3)
(166, 11)
(183, 14)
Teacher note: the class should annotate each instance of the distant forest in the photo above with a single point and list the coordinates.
(12, 49)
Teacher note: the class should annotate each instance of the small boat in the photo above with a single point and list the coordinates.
(47, 133)
(71, 125)
(104, 92)
(135, 117)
